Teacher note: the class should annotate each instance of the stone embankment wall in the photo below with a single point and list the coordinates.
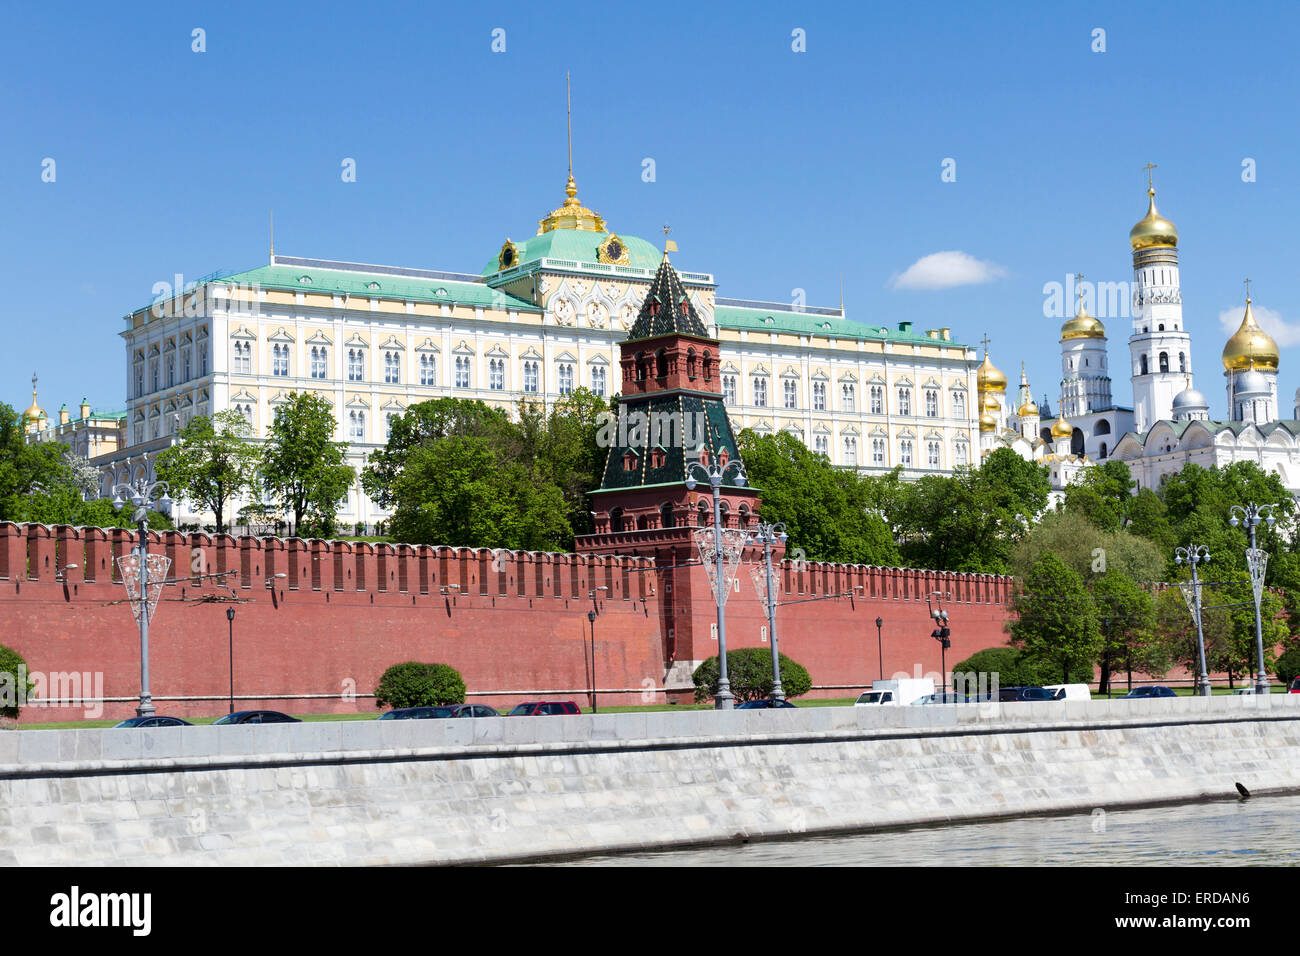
(449, 791)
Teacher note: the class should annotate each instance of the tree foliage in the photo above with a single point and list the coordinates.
(15, 682)
(1056, 620)
(413, 684)
(212, 462)
(749, 671)
(302, 464)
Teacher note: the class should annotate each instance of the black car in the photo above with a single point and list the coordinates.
(418, 713)
(154, 721)
(474, 710)
(257, 717)
(765, 703)
(1009, 694)
(1147, 692)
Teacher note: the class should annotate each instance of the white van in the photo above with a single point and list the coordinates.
(894, 693)
(1069, 691)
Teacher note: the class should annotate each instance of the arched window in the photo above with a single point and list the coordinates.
(722, 507)
(1164, 361)
(642, 522)
(1103, 427)
(666, 519)
(1102, 452)
(661, 364)
(616, 520)
(1143, 365)
(702, 514)
(690, 363)
(640, 365)
(708, 367)
(1182, 362)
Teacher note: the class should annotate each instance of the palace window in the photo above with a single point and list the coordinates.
(187, 363)
(356, 425)
(850, 450)
(905, 452)
(243, 358)
(848, 400)
(962, 453)
(819, 396)
(392, 367)
(822, 445)
(280, 360)
(246, 410)
(497, 374)
(171, 370)
(565, 376)
(760, 391)
(932, 454)
(931, 403)
(877, 451)
(318, 361)
(598, 380)
(139, 375)
(729, 389)
(791, 388)
(959, 404)
(462, 371)
(428, 370)
(356, 364)
(904, 401)
(388, 424)
(877, 400)
(203, 358)
(153, 374)
(530, 377)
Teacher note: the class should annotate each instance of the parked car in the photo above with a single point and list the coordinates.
(541, 708)
(1069, 691)
(1295, 686)
(941, 699)
(257, 717)
(418, 713)
(474, 710)
(764, 704)
(1144, 692)
(154, 721)
(1009, 694)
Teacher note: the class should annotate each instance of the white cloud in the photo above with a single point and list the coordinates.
(1284, 333)
(943, 270)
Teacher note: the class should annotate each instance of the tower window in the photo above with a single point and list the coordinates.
(1143, 365)
(1182, 362)
(1164, 361)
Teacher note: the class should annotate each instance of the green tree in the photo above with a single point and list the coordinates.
(828, 512)
(36, 481)
(413, 684)
(1056, 620)
(1010, 666)
(303, 465)
(423, 422)
(1102, 494)
(568, 456)
(749, 671)
(16, 684)
(1149, 518)
(1127, 618)
(458, 491)
(211, 462)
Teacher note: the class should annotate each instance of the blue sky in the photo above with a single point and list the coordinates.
(777, 170)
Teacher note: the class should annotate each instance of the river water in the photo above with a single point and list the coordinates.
(1256, 832)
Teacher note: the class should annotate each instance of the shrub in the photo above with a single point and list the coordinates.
(11, 662)
(1014, 669)
(749, 670)
(1287, 666)
(413, 684)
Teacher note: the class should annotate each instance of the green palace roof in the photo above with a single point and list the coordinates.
(774, 317)
(407, 284)
(579, 245)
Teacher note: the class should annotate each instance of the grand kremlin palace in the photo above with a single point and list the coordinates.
(544, 316)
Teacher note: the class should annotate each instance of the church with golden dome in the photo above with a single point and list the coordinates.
(1169, 424)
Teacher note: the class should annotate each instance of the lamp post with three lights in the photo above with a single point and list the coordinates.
(140, 495)
(1257, 562)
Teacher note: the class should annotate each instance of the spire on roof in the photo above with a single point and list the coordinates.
(667, 308)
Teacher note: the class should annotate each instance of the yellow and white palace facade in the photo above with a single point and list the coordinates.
(544, 316)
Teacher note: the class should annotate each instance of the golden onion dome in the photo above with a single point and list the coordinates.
(1083, 326)
(987, 422)
(1027, 410)
(1250, 347)
(34, 413)
(1061, 428)
(1152, 229)
(988, 378)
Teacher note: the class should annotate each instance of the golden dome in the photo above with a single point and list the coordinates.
(1152, 229)
(572, 214)
(1250, 347)
(1083, 326)
(1027, 410)
(1061, 428)
(35, 413)
(988, 378)
(987, 422)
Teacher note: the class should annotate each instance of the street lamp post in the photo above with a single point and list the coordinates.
(1257, 562)
(714, 473)
(769, 534)
(140, 496)
(230, 619)
(880, 645)
(591, 619)
(1195, 554)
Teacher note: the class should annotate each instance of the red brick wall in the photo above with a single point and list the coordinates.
(510, 622)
